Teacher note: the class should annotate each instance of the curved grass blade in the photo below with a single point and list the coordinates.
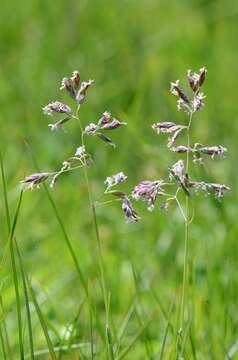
(165, 334)
(6, 204)
(28, 313)
(124, 324)
(148, 348)
(15, 279)
(40, 316)
(5, 194)
(61, 224)
(5, 332)
(134, 340)
(3, 345)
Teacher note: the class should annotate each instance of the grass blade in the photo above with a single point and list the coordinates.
(134, 339)
(28, 313)
(165, 334)
(6, 204)
(5, 330)
(62, 227)
(5, 194)
(40, 315)
(15, 280)
(163, 311)
(124, 324)
(110, 342)
(3, 345)
(148, 349)
(59, 349)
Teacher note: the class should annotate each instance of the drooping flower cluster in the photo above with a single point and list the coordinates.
(177, 171)
(114, 180)
(57, 107)
(106, 122)
(129, 211)
(127, 207)
(34, 180)
(198, 149)
(169, 128)
(77, 90)
(80, 159)
(195, 81)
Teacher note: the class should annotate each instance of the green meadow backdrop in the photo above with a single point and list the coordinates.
(132, 49)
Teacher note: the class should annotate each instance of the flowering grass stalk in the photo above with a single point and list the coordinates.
(81, 159)
(170, 191)
(150, 191)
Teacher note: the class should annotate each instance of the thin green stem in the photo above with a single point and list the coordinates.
(94, 217)
(5, 194)
(68, 242)
(27, 303)
(186, 217)
(41, 318)
(3, 344)
(6, 203)
(15, 280)
(63, 229)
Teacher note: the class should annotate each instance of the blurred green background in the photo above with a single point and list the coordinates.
(133, 49)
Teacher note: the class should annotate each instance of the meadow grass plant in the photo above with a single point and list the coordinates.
(178, 189)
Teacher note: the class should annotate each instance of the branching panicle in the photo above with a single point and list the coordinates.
(147, 190)
(77, 90)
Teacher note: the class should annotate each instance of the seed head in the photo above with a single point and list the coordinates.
(115, 179)
(81, 94)
(166, 127)
(80, 151)
(197, 103)
(114, 124)
(180, 149)
(177, 171)
(196, 80)
(54, 180)
(68, 86)
(170, 128)
(209, 150)
(75, 78)
(130, 214)
(105, 119)
(91, 129)
(177, 91)
(183, 106)
(202, 75)
(34, 180)
(219, 189)
(148, 192)
(57, 107)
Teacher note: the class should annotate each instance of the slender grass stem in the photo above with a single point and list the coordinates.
(41, 318)
(64, 232)
(186, 218)
(15, 280)
(5, 194)
(99, 245)
(6, 204)
(3, 344)
(27, 304)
